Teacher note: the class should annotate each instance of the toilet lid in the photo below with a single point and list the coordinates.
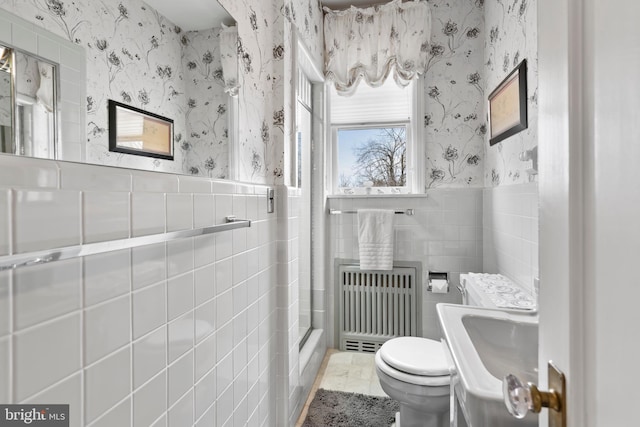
(416, 356)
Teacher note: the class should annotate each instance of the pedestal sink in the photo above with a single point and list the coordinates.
(486, 345)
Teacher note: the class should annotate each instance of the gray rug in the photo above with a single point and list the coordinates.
(337, 408)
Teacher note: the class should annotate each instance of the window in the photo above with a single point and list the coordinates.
(374, 143)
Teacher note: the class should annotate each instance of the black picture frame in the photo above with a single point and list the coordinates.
(155, 139)
(508, 105)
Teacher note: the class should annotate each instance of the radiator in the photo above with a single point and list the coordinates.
(376, 306)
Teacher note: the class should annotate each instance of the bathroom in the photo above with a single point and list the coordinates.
(104, 334)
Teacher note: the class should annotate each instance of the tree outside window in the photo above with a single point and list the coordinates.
(376, 155)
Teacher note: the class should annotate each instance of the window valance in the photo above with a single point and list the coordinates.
(371, 43)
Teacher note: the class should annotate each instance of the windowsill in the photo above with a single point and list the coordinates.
(377, 196)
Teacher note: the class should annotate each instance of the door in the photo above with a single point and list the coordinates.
(589, 95)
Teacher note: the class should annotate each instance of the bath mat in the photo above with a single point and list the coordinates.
(331, 408)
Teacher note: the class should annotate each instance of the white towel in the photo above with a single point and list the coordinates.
(375, 237)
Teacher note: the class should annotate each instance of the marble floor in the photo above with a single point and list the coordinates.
(352, 372)
(345, 371)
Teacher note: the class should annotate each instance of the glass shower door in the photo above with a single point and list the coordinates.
(302, 156)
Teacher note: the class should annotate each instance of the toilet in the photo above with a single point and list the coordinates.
(415, 372)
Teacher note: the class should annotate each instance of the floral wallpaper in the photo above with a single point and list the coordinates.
(265, 66)
(511, 36)
(454, 119)
(260, 98)
(206, 118)
(307, 17)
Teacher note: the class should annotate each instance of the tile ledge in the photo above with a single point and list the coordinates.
(377, 196)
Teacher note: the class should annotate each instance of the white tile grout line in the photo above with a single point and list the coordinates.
(12, 337)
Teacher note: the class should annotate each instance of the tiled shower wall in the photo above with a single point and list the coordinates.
(287, 302)
(179, 334)
(297, 367)
(511, 232)
(445, 235)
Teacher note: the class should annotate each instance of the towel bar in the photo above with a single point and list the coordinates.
(16, 261)
(408, 212)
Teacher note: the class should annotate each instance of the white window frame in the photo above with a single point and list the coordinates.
(415, 150)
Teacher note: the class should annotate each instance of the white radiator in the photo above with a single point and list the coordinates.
(376, 306)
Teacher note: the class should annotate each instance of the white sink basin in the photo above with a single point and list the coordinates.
(486, 345)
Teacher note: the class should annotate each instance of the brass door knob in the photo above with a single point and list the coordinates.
(520, 398)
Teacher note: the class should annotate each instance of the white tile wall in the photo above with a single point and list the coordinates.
(148, 265)
(68, 392)
(149, 309)
(5, 361)
(293, 387)
(44, 292)
(150, 400)
(107, 382)
(511, 232)
(204, 388)
(173, 334)
(149, 356)
(205, 284)
(204, 210)
(32, 372)
(107, 327)
(106, 276)
(181, 414)
(144, 213)
(106, 216)
(204, 248)
(61, 226)
(154, 183)
(180, 212)
(179, 295)
(120, 415)
(180, 377)
(75, 176)
(5, 202)
(205, 357)
(445, 235)
(5, 306)
(179, 257)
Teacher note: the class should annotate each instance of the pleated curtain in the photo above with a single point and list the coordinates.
(369, 44)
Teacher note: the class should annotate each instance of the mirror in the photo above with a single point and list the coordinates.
(162, 58)
(6, 102)
(27, 105)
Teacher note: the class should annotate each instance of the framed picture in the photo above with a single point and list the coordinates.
(135, 131)
(508, 105)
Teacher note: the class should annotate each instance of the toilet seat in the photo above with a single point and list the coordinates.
(416, 356)
(414, 360)
(419, 380)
